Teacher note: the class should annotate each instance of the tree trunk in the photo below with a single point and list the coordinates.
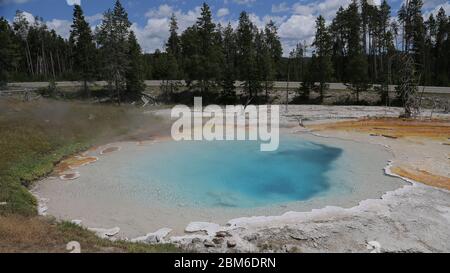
(86, 89)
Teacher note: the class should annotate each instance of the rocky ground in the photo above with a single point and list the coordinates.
(414, 218)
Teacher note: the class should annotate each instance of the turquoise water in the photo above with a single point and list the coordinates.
(232, 173)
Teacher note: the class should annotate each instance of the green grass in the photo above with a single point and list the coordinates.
(72, 232)
(34, 137)
(26, 155)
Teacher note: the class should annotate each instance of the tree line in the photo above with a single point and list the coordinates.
(361, 46)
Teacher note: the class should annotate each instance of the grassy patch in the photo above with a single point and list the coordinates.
(34, 136)
(38, 234)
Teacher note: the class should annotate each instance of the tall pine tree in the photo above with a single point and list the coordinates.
(134, 73)
(323, 47)
(112, 36)
(83, 47)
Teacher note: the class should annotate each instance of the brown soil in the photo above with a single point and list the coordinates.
(392, 128)
(72, 163)
(422, 176)
(110, 150)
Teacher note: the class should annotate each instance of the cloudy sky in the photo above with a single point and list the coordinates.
(150, 18)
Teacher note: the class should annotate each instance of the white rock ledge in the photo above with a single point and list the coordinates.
(153, 238)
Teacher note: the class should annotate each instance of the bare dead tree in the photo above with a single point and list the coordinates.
(407, 90)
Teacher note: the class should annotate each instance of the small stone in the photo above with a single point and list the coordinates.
(223, 234)
(151, 239)
(196, 240)
(218, 240)
(3, 203)
(374, 246)
(207, 243)
(251, 237)
(76, 222)
(231, 243)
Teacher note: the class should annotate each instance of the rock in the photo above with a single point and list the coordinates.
(251, 237)
(223, 234)
(105, 233)
(207, 243)
(196, 240)
(231, 243)
(42, 209)
(217, 240)
(374, 246)
(209, 228)
(76, 222)
(3, 203)
(153, 238)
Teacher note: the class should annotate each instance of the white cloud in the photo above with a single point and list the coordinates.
(432, 4)
(6, 2)
(162, 11)
(73, 2)
(261, 22)
(92, 19)
(374, 2)
(29, 17)
(297, 28)
(61, 27)
(282, 7)
(156, 31)
(223, 12)
(445, 6)
(300, 26)
(326, 8)
(244, 2)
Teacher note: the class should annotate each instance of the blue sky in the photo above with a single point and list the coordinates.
(150, 18)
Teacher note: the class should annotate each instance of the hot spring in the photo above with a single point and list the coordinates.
(144, 187)
(233, 173)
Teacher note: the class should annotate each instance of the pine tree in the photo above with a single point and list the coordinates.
(228, 95)
(246, 53)
(173, 49)
(262, 65)
(173, 43)
(134, 73)
(112, 36)
(209, 50)
(442, 48)
(9, 52)
(272, 56)
(83, 47)
(418, 33)
(357, 70)
(322, 43)
(190, 55)
(338, 30)
(429, 54)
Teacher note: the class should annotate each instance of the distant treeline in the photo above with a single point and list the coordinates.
(363, 45)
